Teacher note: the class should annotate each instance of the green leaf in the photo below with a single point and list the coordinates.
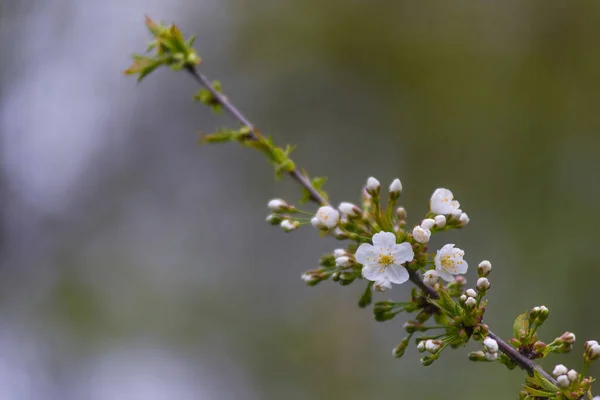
(539, 381)
(445, 303)
(521, 325)
(540, 393)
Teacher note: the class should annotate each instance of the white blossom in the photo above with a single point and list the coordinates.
(491, 345)
(349, 209)
(440, 220)
(430, 277)
(337, 253)
(483, 284)
(288, 225)
(463, 219)
(326, 217)
(442, 202)
(396, 187)
(421, 235)
(449, 261)
(427, 223)
(384, 258)
(559, 370)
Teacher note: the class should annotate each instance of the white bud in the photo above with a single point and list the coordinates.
(337, 253)
(382, 285)
(316, 222)
(427, 223)
(484, 268)
(289, 225)
(349, 209)
(471, 302)
(591, 343)
(277, 205)
(572, 375)
(373, 186)
(328, 217)
(490, 345)
(421, 235)
(463, 298)
(594, 351)
(563, 381)
(491, 356)
(421, 346)
(343, 261)
(463, 219)
(559, 370)
(543, 309)
(339, 233)
(471, 293)
(396, 187)
(432, 346)
(483, 284)
(456, 213)
(308, 278)
(431, 277)
(440, 221)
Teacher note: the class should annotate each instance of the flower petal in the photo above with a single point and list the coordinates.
(365, 254)
(461, 268)
(403, 252)
(372, 273)
(445, 275)
(384, 239)
(396, 274)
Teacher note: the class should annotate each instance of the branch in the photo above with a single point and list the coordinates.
(238, 116)
(524, 362)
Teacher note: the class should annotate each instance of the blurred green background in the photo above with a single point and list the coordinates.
(137, 265)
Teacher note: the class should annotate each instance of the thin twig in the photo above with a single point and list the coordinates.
(524, 362)
(237, 115)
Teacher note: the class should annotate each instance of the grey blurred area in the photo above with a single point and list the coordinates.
(135, 264)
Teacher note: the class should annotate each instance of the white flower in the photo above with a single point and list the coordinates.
(372, 186)
(427, 223)
(343, 261)
(383, 285)
(327, 217)
(563, 381)
(288, 225)
(491, 356)
(383, 260)
(421, 235)
(396, 187)
(430, 277)
(484, 268)
(559, 370)
(449, 261)
(349, 209)
(442, 202)
(337, 253)
(490, 345)
(572, 375)
(463, 219)
(470, 302)
(471, 293)
(440, 221)
(483, 284)
(278, 205)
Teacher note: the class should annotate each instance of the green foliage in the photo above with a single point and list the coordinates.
(205, 96)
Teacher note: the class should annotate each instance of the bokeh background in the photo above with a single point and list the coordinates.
(137, 265)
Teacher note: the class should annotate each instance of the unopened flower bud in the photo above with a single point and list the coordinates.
(471, 293)
(568, 337)
(349, 209)
(483, 284)
(337, 253)
(491, 356)
(327, 217)
(278, 205)
(456, 214)
(592, 350)
(401, 213)
(340, 234)
(429, 359)
(471, 302)
(399, 350)
(373, 186)
(544, 312)
(289, 225)
(573, 375)
(382, 285)
(421, 346)
(427, 223)
(440, 221)
(559, 370)
(484, 268)
(490, 345)
(395, 189)
(421, 235)
(274, 219)
(463, 219)
(539, 346)
(344, 261)
(430, 277)
(433, 346)
(411, 326)
(463, 298)
(563, 381)
(477, 356)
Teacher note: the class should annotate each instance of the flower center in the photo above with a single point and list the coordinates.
(385, 260)
(449, 263)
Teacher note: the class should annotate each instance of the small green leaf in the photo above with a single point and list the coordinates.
(445, 303)
(521, 325)
(540, 393)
